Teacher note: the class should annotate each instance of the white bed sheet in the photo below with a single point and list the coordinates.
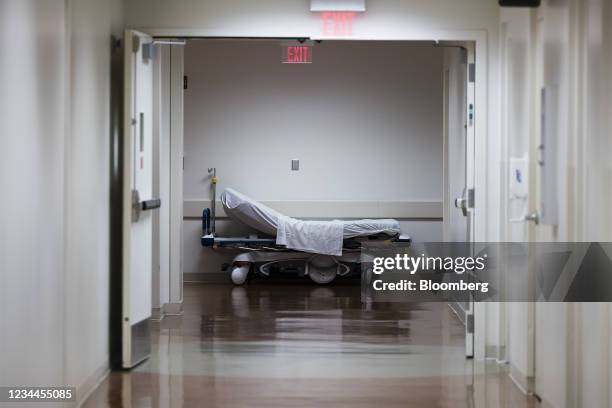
(324, 237)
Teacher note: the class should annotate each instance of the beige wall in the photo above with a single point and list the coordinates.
(287, 18)
(87, 186)
(54, 155)
(32, 140)
(365, 121)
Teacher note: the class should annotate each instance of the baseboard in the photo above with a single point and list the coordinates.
(172, 309)
(524, 382)
(497, 353)
(206, 277)
(87, 388)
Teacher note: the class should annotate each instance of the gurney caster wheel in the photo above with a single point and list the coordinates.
(322, 269)
(239, 274)
(322, 277)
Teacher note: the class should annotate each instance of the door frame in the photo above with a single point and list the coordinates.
(453, 62)
(168, 136)
(479, 54)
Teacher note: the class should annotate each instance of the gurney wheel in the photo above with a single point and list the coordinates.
(322, 269)
(239, 274)
(322, 277)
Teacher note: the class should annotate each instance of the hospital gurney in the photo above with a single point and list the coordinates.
(320, 250)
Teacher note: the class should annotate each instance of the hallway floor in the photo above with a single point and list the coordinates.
(273, 345)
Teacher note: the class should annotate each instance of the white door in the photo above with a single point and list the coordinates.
(459, 164)
(550, 141)
(137, 198)
(518, 182)
(533, 125)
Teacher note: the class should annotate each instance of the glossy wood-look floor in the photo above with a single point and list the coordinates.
(293, 345)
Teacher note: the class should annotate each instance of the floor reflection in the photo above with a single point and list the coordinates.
(268, 345)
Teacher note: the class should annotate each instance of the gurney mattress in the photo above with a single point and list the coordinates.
(268, 220)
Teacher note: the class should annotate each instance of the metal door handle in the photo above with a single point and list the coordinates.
(533, 217)
(149, 205)
(462, 203)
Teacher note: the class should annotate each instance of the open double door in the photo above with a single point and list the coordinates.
(133, 169)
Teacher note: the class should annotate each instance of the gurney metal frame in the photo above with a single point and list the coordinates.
(263, 256)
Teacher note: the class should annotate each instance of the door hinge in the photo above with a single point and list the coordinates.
(185, 81)
(135, 44)
(148, 52)
(472, 72)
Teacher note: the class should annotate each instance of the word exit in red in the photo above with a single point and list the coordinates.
(300, 54)
(338, 23)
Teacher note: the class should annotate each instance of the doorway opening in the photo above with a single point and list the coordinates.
(379, 129)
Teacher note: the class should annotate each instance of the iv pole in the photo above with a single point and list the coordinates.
(213, 181)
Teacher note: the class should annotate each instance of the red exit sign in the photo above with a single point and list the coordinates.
(297, 54)
(338, 23)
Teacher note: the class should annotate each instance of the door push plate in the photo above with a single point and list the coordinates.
(471, 198)
(463, 202)
(136, 209)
